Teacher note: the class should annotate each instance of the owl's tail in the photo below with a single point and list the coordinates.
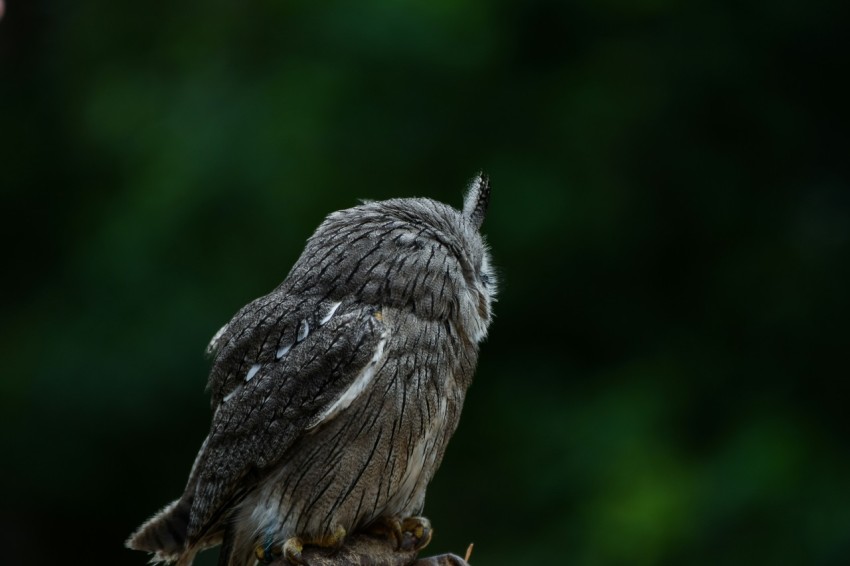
(165, 533)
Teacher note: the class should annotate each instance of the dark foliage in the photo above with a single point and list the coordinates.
(666, 380)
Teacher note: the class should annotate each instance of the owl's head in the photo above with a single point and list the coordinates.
(411, 253)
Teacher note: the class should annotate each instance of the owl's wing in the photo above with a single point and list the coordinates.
(280, 390)
(251, 336)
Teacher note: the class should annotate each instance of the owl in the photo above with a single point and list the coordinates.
(335, 395)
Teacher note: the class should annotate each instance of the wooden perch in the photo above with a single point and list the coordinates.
(364, 550)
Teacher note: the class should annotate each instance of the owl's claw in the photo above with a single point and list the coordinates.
(333, 540)
(293, 547)
(416, 533)
(409, 534)
(292, 550)
(266, 554)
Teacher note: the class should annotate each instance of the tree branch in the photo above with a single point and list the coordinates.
(365, 550)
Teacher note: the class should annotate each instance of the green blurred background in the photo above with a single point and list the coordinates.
(666, 381)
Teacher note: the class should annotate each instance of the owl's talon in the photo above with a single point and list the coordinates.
(411, 533)
(416, 533)
(268, 553)
(333, 540)
(292, 551)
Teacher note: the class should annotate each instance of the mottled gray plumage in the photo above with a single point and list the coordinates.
(335, 395)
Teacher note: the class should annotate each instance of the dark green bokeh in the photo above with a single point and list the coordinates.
(666, 381)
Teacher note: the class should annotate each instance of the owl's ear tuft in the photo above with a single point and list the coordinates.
(477, 199)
